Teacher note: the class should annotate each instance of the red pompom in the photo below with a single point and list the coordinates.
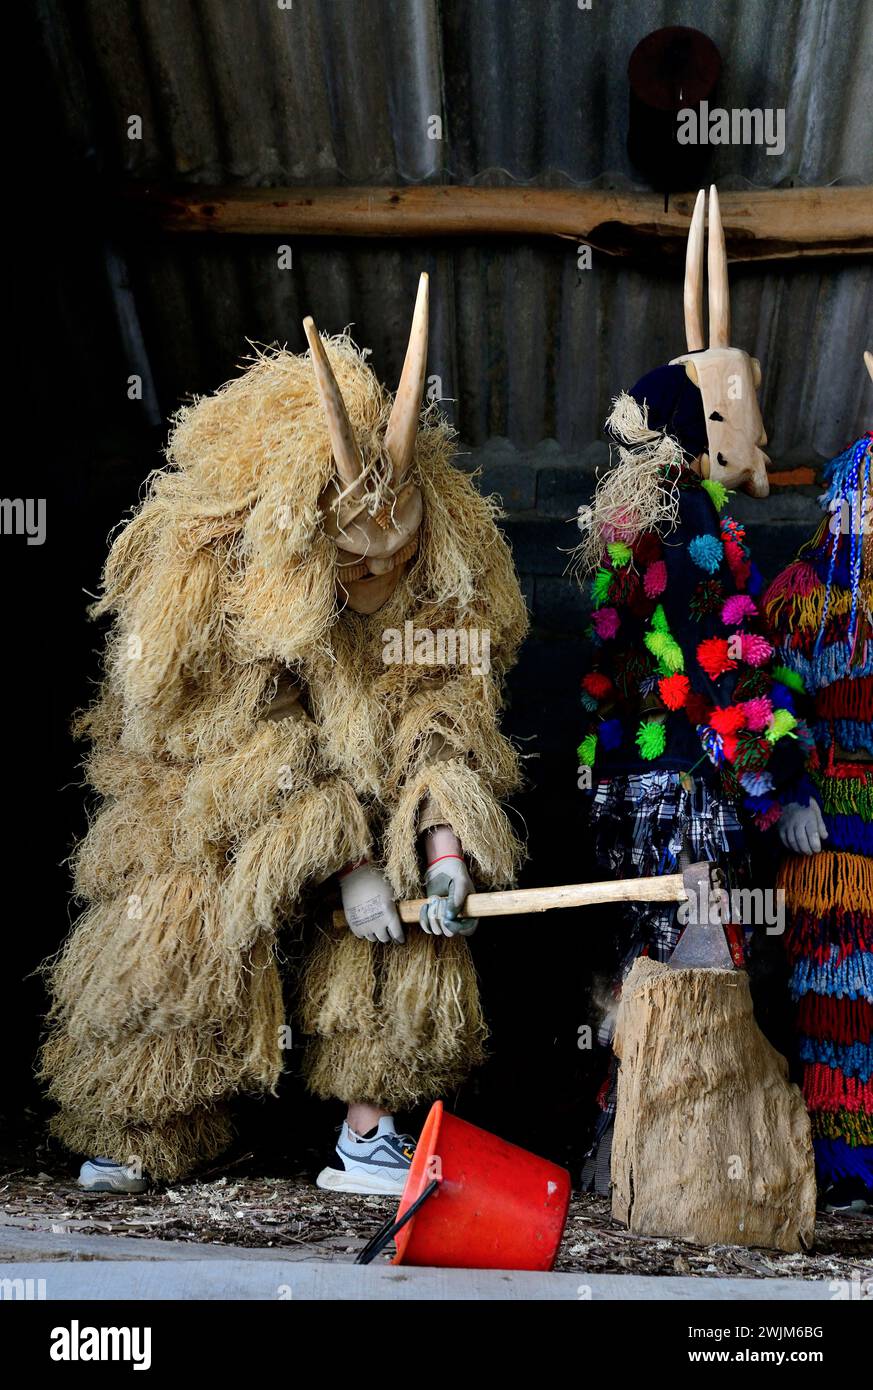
(769, 817)
(597, 684)
(729, 746)
(739, 563)
(674, 690)
(713, 657)
(728, 720)
(647, 549)
(625, 583)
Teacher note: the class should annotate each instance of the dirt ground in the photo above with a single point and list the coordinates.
(236, 1207)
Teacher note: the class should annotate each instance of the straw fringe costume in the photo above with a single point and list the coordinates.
(249, 740)
(819, 612)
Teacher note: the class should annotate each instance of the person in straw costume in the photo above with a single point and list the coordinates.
(689, 730)
(260, 731)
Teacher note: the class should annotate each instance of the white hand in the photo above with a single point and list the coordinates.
(802, 828)
(368, 904)
(447, 884)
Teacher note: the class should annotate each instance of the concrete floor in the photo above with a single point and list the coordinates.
(111, 1267)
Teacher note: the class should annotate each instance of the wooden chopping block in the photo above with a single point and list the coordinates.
(712, 1142)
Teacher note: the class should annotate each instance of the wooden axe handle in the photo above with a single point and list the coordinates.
(664, 888)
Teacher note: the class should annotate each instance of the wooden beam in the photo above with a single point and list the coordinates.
(760, 225)
(791, 477)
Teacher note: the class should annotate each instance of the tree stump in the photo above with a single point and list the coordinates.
(712, 1142)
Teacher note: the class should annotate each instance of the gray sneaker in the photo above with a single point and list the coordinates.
(377, 1162)
(102, 1175)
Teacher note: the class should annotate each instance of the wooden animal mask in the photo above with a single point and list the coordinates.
(728, 378)
(373, 550)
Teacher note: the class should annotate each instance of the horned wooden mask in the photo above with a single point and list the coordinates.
(373, 550)
(728, 377)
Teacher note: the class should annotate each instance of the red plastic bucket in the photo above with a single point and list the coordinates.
(496, 1206)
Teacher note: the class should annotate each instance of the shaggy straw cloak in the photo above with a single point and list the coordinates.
(248, 741)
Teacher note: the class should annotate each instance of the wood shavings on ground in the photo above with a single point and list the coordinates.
(259, 1211)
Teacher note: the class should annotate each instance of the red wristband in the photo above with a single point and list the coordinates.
(440, 857)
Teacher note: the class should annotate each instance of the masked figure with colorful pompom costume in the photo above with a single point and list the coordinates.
(690, 728)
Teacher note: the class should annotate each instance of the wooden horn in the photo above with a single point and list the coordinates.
(693, 292)
(403, 424)
(346, 454)
(868, 361)
(719, 294)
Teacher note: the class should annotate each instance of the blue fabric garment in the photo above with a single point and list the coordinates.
(849, 833)
(674, 405)
(835, 1159)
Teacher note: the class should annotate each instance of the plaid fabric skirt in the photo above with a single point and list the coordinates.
(639, 824)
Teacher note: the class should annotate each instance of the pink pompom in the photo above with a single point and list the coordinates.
(759, 712)
(655, 579)
(755, 649)
(619, 529)
(605, 622)
(737, 608)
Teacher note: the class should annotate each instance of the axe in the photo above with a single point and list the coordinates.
(696, 884)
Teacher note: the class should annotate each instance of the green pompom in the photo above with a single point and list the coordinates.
(782, 723)
(659, 619)
(619, 553)
(587, 750)
(717, 492)
(651, 739)
(786, 676)
(600, 586)
(657, 642)
(671, 658)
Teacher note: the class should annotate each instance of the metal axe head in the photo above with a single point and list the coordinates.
(703, 945)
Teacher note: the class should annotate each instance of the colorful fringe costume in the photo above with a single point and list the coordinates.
(819, 614)
(248, 742)
(689, 723)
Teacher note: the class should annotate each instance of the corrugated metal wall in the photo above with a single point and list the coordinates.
(330, 91)
(334, 91)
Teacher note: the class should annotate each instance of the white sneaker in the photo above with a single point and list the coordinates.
(375, 1163)
(102, 1175)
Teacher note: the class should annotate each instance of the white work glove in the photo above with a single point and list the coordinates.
(447, 884)
(368, 903)
(802, 828)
